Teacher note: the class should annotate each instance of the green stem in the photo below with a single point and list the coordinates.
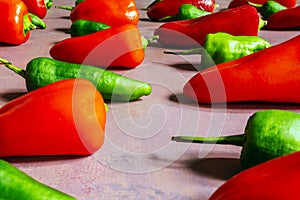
(37, 21)
(255, 5)
(16, 69)
(70, 8)
(28, 25)
(186, 52)
(237, 140)
(167, 18)
(262, 23)
(146, 42)
(48, 3)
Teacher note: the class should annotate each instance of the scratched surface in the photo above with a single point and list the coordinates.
(138, 160)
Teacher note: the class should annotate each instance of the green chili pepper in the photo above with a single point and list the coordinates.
(38, 22)
(15, 185)
(43, 71)
(268, 134)
(84, 27)
(271, 7)
(222, 47)
(187, 11)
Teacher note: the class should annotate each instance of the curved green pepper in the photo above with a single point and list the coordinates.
(15, 185)
(83, 27)
(43, 71)
(268, 134)
(271, 7)
(187, 11)
(223, 47)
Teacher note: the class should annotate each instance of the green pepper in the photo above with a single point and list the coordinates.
(43, 71)
(271, 7)
(15, 185)
(268, 134)
(223, 47)
(83, 27)
(187, 11)
(38, 22)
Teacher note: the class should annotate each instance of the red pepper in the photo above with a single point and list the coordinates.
(64, 118)
(243, 20)
(270, 75)
(37, 7)
(276, 179)
(112, 13)
(15, 22)
(118, 46)
(164, 8)
(286, 3)
(284, 19)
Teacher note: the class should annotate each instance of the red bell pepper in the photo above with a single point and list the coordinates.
(38, 7)
(243, 20)
(112, 13)
(286, 3)
(272, 75)
(276, 179)
(15, 22)
(284, 19)
(63, 118)
(164, 8)
(118, 46)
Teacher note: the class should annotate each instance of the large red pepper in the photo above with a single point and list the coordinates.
(276, 179)
(271, 75)
(64, 118)
(286, 3)
(242, 20)
(15, 23)
(113, 12)
(118, 46)
(164, 8)
(38, 7)
(284, 19)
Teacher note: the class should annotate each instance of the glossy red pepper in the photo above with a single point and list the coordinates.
(284, 19)
(64, 118)
(276, 179)
(112, 13)
(164, 8)
(37, 7)
(15, 22)
(270, 75)
(243, 20)
(118, 46)
(286, 3)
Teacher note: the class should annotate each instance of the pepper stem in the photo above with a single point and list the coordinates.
(48, 3)
(262, 23)
(37, 21)
(70, 8)
(237, 140)
(146, 42)
(28, 25)
(255, 4)
(16, 69)
(186, 52)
